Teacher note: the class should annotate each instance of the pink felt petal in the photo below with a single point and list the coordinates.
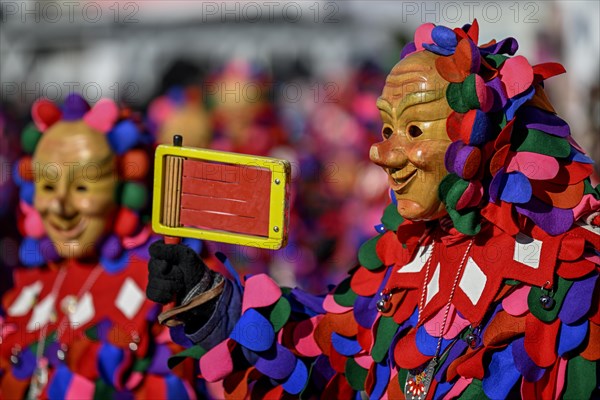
(423, 35)
(517, 75)
(458, 388)
(433, 325)
(516, 303)
(45, 114)
(260, 291)
(80, 388)
(331, 306)
(161, 109)
(560, 378)
(102, 116)
(587, 204)
(304, 340)
(573, 143)
(484, 94)
(216, 364)
(471, 196)
(33, 225)
(364, 361)
(457, 325)
(137, 240)
(595, 259)
(533, 165)
(133, 381)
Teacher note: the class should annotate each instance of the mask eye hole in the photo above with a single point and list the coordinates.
(387, 133)
(414, 131)
(48, 187)
(81, 188)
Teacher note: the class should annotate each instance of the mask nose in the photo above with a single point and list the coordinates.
(390, 153)
(60, 203)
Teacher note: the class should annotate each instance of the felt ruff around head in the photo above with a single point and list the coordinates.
(512, 159)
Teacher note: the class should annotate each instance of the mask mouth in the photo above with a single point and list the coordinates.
(399, 179)
(67, 228)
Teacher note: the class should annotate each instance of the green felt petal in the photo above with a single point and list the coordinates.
(455, 98)
(466, 221)
(446, 184)
(391, 219)
(102, 390)
(279, 313)
(536, 141)
(581, 378)
(134, 195)
(367, 254)
(386, 329)
(495, 60)
(473, 392)
(355, 374)
(344, 295)
(454, 193)
(512, 282)
(560, 291)
(588, 188)
(142, 365)
(195, 352)
(29, 138)
(469, 93)
(402, 374)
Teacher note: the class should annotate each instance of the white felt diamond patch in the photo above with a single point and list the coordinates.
(419, 261)
(528, 251)
(84, 310)
(433, 287)
(130, 298)
(473, 281)
(24, 302)
(42, 313)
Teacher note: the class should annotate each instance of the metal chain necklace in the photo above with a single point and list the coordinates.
(419, 379)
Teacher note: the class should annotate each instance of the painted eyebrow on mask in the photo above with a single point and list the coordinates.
(411, 99)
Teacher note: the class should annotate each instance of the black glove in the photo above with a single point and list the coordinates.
(173, 271)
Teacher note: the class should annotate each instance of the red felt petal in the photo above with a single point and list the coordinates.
(547, 70)
(45, 114)
(388, 247)
(505, 134)
(406, 353)
(540, 340)
(571, 173)
(337, 361)
(575, 269)
(338, 388)
(472, 367)
(516, 75)
(453, 125)
(501, 215)
(473, 31)
(571, 247)
(472, 164)
(365, 282)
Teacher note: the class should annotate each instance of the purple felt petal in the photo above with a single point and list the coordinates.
(578, 300)
(517, 188)
(74, 107)
(314, 303)
(547, 122)
(321, 371)
(365, 311)
(408, 49)
(497, 184)
(571, 336)
(451, 153)
(159, 365)
(530, 371)
(277, 363)
(345, 346)
(499, 94)
(553, 220)
(507, 46)
(461, 159)
(502, 374)
(475, 56)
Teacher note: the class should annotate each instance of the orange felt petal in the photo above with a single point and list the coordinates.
(236, 384)
(502, 328)
(592, 351)
(540, 100)
(572, 172)
(558, 195)
(504, 135)
(393, 390)
(456, 67)
(499, 159)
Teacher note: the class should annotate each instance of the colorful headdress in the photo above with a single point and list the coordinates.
(510, 152)
(129, 142)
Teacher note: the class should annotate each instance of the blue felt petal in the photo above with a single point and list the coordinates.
(571, 336)
(380, 228)
(277, 363)
(175, 388)
(524, 364)
(123, 136)
(30, 253)
(345, 346)
(382, 378)
(297, 380)
(428, 344)
(502, 374)
(109, 358)
(578, 300)
(517, 188)
(26, 365)
(579, 157)
(253, 331)
(26, 192)
(444, 37)
(116, 265)
(441, 389)
(480, 130)
(517, 101)
(59, 385)
(497, 185)
(193, 244)
(442, 51)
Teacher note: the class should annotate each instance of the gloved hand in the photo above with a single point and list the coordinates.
(173, 271)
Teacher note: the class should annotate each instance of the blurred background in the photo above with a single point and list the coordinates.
(290, 79)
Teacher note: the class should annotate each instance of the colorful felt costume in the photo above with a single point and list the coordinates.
(503, 291)
(85, 326)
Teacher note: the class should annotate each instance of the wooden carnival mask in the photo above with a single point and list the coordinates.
(75, 186)
(414, 109)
